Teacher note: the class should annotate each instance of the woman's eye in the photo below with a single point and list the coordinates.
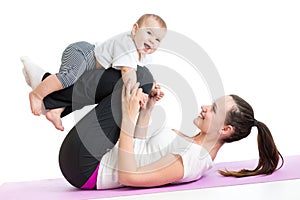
(214, 107)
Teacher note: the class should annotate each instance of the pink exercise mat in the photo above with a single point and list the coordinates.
(61, 189)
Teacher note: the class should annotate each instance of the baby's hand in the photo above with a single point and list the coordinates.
(143, 101)
(156, 92)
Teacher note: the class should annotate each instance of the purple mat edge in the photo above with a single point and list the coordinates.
(60, 189)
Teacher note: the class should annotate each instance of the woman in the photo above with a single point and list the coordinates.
(166, 157)
(90, 159)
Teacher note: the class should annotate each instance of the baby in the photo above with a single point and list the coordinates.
(124, 52)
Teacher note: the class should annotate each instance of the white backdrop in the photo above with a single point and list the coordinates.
(255, 46)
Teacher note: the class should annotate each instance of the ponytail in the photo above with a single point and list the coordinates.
(269, 156)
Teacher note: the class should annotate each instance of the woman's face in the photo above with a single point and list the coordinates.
(212, 117)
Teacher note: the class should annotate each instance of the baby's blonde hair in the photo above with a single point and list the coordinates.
(144, 17)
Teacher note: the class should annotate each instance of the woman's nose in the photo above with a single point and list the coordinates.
(203, 108)
(206, 108)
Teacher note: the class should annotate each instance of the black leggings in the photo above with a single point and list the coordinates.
(99, 130)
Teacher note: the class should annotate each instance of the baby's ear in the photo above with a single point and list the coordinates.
(134, 28)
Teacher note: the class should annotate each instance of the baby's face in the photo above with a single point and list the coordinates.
(148, 36)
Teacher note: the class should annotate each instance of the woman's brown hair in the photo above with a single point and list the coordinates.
(242, 119)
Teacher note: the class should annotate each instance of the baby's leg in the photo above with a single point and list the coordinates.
(54, 117)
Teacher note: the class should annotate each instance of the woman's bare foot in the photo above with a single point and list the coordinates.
(36, 103)
(33, 76)
(54, 117)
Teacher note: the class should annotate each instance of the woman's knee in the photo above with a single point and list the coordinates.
(145, 77)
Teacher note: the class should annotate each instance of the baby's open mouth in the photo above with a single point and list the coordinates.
(147, 47)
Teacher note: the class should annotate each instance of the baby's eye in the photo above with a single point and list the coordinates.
(149, 33)
(158, 40)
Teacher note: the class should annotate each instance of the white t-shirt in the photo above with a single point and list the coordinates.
(120, 51)
(196, 160)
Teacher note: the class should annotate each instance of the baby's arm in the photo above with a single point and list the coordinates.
(144, 116)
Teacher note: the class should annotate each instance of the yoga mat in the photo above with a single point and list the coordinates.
(61, 189)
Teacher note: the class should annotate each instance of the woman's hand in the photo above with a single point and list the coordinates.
(131, 101)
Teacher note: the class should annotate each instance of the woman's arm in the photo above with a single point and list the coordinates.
(142, 124)
(165, 170)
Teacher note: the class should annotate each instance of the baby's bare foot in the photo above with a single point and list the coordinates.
(36, 103)
(54, 117)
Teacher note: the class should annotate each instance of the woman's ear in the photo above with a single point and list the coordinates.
(134, 29)
(226, 130)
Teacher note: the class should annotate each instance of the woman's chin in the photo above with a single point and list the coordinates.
(197, 122)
